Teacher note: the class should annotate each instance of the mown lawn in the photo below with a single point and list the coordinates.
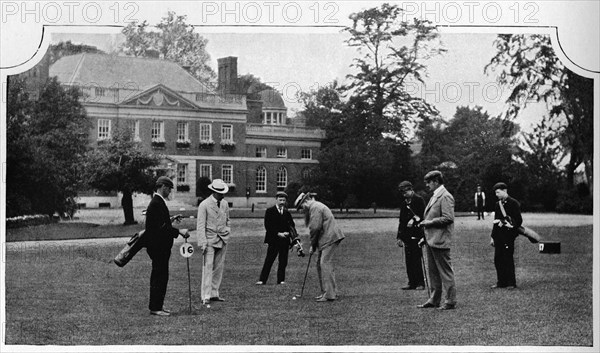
(75, 295)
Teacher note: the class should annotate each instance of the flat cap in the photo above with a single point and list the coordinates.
(500, 185)
(405, 185)
(163, 180)
(281, 194)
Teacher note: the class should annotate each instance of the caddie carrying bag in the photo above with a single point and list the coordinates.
(522, 230)
(135, 244)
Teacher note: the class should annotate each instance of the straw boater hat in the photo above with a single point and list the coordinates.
(301, 198)
(219, 186)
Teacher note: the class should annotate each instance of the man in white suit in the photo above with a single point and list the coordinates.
(438, 224)
(213, 229)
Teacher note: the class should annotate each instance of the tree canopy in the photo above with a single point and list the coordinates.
(392, 53)
(529, 66)
(46, 142)
(121, 164)
(173, 40)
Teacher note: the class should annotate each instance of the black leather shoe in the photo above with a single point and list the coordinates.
(216, 299)
(495, 286)
(409, 287)
(427, 305)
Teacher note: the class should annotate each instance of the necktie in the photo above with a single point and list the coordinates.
(281, 210)
(219, 203)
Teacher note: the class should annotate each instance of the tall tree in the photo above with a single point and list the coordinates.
(474, 148)
(46, 142)
(544, 176)
(174, 40)
(529, 66)
(121, 164)
(392, 54)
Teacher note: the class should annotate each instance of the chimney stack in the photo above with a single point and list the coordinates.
(228, 77)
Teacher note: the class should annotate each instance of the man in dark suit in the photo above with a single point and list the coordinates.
(278, 221)
(480, 203)
(412, 208)
(506, 221)
(438, 224)
(159, 240)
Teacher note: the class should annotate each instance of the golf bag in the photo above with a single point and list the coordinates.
(295, 241)
(133, 246)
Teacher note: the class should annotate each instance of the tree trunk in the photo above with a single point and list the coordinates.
(127, 204)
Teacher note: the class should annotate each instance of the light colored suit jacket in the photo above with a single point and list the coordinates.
(440, 210)
(213, 225)
(323, 228)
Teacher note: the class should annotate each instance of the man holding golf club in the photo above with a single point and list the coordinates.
(438, 225)
(325, 237)
(159, 236)
(278, 223)
(213, 228)
(409, 234)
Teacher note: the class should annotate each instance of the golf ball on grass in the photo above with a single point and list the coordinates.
(293, 298)
(208, 306)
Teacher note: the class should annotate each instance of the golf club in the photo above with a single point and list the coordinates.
(425, 272)
(305, 275)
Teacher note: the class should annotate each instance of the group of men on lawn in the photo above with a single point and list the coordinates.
(425, 232)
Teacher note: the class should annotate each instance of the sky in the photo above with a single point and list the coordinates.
(298, 45)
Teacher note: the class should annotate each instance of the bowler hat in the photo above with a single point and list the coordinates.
(219, 186)
(163, 180)
(281, 194)
(500, 185)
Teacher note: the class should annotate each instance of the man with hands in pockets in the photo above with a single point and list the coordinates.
(213, 228)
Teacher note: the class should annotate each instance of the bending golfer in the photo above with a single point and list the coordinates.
(278, 221)
(439, 225)
(325, 236)
(160, 234)
(213, 229)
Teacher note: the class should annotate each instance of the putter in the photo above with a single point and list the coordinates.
(305, 275)
(425, 272)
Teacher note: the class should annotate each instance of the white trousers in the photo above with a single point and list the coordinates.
(212, 271)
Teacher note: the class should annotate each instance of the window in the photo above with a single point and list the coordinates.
(273, 118)
(306, 174)
(227, 173)
(261, 152)
(281, 152)
(182, 173)
(205, 132)
(281, 178)
(227, 133)
(261, 179)
(182, 132)
(103, 129)
(306, 153)
(134, 127)
(206, 171)
(158, 131)
(99, 91)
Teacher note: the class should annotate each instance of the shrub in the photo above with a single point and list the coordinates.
(28, 220)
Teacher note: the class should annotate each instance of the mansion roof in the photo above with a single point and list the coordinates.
(138, 74)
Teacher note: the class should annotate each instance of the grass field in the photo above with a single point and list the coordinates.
(70, 293)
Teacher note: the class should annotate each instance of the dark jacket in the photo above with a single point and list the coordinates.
(159, 231)
(275, 223)
(407, 212)
(512, 208)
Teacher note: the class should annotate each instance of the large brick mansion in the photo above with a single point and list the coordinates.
(244, 138)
